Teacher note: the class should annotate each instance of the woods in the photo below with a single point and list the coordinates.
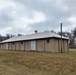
(7, 36)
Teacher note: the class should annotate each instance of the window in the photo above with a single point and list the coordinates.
(48, 41)
(21, 42)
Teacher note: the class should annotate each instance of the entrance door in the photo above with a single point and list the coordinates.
(33, 45)
(6, 46)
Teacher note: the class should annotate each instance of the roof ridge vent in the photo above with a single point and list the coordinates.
(46, 31)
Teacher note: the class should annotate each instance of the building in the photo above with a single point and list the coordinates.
(75, 41)
(41, 41)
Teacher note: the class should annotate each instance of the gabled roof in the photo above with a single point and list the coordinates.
(39, 35)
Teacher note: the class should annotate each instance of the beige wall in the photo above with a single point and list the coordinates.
(60, 45)
(66, 45)
(1, 46)
(54, 45)
(13, 46)
(40, 45)
(10, 46)
(49, 45)
(22, 45)
(63, 47)
(43, 45)
(17, 45)
(27, 45)
(4, 46)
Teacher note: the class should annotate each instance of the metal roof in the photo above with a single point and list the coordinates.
(39, 35)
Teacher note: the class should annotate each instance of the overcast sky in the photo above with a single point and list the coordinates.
(25, 16)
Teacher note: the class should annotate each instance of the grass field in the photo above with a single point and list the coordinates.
(37, 63)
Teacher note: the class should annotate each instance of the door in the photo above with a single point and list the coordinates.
(6, 46)
(33, 45)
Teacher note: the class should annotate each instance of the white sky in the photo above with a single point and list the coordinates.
(25, 16)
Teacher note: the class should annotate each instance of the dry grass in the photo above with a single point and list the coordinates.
(37, 63)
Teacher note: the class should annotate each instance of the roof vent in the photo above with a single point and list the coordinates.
(36, 31)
